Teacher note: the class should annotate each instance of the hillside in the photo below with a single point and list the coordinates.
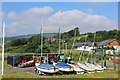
(32, 44)
(7, 39)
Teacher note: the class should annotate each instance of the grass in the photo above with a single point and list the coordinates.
(5, 65)
(105, 74)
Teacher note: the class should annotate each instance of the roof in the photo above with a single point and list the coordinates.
(86, 44)
(103, 43)
(98, 44)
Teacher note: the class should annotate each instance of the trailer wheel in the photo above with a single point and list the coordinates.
(39, 72)
(77, 72)
(60, 73)
(20, 65)
(36, 70)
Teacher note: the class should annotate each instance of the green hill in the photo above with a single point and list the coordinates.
(7, 39)
(32, 43)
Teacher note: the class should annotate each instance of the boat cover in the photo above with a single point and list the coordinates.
(62, 64)
(45, 66)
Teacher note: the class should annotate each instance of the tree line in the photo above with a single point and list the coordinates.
(33, 44)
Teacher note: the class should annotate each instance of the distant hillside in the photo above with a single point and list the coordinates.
(7, 39)
(31, 43)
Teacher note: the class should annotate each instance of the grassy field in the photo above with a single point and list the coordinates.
(105, 74)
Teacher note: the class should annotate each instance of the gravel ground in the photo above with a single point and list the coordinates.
(17, 69)
(30, 69)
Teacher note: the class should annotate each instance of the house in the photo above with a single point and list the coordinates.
(52, 39)
(90, 45)
(86, 45)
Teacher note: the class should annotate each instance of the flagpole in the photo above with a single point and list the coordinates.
(3, 48)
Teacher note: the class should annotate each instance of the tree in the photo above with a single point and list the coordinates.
(18, 42)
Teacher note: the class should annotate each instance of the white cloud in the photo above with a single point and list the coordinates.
(30, 21)
(11, 15)
(86, 22)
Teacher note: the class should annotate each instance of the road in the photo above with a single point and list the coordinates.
(17, 69)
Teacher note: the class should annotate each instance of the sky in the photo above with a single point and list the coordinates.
(60, 0)
(24, 18)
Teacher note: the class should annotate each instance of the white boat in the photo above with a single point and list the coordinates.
(63, 67)
(96, 67)
(21, 65)
(86, 68)
(46, 69)
(77, 69)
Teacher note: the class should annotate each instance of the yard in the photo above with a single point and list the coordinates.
(22, 74)
(105, 74)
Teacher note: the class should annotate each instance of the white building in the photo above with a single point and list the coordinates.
(106, 43)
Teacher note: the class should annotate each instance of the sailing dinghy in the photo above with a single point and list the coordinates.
(46, 69)
(63, 67)
(77, 69)
(97, 68)
(86, 68)
(28, 63)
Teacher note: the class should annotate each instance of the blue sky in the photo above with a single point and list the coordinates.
(107, 11)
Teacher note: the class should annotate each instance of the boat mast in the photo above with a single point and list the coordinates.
(41, 41)
(3, 39)
(82, 53)
(41, 36)
(94, 40)
(73, 42)
(59, 32)
(59, 40)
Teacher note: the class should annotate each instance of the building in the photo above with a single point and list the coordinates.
(90, 45)
(52, 39)
(85, 45)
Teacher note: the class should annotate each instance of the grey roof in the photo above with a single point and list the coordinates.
(86, 44)
(97, 44)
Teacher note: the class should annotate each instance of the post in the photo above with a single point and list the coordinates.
(114, 60)
(79, 56)
(13, 60)
(105, 58)
(101, 60)
(66, 49)
(47, 57)
(3, 48)
(92, 57)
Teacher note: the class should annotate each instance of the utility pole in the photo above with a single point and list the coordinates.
(3, 40)
(114, 60)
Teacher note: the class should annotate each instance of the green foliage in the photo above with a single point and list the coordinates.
(69, 34)
(32, 44)
(24, 45)
(101, 35)
(18, 42)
